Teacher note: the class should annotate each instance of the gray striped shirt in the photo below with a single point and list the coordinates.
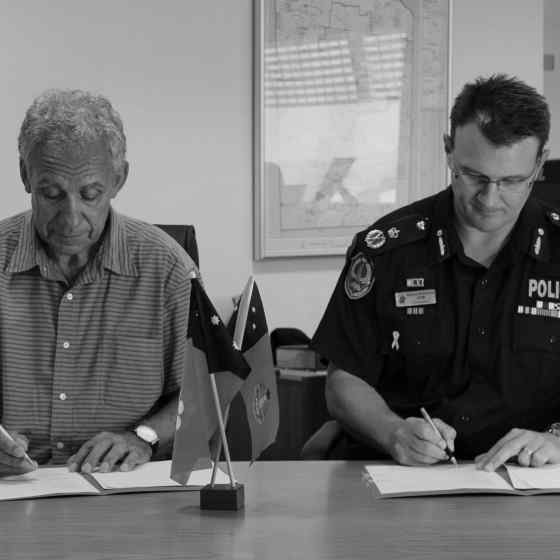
(98, 355)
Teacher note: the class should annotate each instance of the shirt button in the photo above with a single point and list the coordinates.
(65, 344)
(69, 296)
(465, 418)
(59, 445)
(62, 396)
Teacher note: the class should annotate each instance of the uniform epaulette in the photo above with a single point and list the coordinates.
(554, 217)
(387, 235)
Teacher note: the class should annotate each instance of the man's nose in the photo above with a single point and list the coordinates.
(71, 213)
(489, 194)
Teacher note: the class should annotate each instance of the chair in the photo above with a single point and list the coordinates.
(185, 236)
(322, 442)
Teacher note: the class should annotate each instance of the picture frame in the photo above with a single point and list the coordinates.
(350, 105)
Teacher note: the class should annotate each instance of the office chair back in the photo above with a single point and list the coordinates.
(185, 236)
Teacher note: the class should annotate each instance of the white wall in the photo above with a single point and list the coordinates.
(552, 78)
(181, 77)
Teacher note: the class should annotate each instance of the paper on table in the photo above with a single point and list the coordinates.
(526, 478)
(396, 479)
(49, 481)
(154, 474)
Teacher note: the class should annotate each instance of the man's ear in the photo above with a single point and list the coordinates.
(121, 178)
(542, 160)
(24, 176)
(447, 143)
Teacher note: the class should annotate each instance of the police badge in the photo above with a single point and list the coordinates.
(359, 278)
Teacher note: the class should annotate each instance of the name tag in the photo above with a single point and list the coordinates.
(415, 298)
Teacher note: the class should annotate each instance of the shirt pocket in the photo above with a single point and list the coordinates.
(134, 381)
(418, 351)
(536, 349)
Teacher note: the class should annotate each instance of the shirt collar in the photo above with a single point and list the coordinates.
(532, 231)
(530, 234)
(113, 253)
(444, 241)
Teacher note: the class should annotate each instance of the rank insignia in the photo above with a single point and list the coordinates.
(375, 239)
(359, 278)
(393, 232)
(415, 282)
(421, 225)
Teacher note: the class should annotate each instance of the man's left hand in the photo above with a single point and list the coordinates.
(532, 449)
(107, 449)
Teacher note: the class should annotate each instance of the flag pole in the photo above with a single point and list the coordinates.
(219, 451)
(232, 480)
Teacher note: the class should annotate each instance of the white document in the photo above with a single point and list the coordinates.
(527, 478)
(50, 481)
(154, 474)
(396, 479)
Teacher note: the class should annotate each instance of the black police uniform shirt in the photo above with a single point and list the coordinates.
(425, 325)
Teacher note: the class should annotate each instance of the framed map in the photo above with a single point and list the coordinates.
(351, 103)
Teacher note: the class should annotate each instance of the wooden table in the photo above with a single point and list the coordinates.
(303, 510)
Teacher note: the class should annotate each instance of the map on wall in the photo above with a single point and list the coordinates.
(351, 108)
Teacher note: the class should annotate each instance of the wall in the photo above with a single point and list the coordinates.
(552, 78)
(181, 78)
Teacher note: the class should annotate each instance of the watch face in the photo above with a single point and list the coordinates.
(147, 434)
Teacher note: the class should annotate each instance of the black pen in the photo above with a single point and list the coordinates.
(426, 416)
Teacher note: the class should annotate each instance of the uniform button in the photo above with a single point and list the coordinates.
(69, 296)
(483, 282)
(62, 396)
(66, 344)
(552, 339)
(465, 418)
(59, 445)
(482, 331)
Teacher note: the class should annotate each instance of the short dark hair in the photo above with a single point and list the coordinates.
(506, 110)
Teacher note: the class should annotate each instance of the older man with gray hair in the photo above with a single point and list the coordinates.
(93, 304)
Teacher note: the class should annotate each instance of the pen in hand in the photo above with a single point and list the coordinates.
(4, 432)
(426, 417)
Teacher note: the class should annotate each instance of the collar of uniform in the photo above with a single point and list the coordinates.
(114, 251)
(531, 232)
(443, 239)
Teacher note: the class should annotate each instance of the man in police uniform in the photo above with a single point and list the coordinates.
(453, 303)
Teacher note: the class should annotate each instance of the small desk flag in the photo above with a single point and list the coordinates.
(259, 392)
(209, 350)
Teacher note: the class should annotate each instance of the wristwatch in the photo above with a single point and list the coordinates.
(554, 429)
(149, 435)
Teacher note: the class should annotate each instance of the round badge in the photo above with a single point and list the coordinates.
(375, 239)
(359, 278)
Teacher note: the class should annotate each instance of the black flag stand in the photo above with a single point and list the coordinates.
(222, 496)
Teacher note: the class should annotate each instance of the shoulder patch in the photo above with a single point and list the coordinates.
(381, 238)
(359, 277)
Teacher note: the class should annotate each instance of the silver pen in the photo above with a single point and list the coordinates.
(426, 416)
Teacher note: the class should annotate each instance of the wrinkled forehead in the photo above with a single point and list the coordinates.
(56, 155)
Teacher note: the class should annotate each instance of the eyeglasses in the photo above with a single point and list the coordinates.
(506, 185)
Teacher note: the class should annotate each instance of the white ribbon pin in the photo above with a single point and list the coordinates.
(395, 344)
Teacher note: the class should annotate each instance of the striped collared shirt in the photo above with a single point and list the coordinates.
(100, 354)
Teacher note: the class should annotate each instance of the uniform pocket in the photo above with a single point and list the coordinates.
(536, 346)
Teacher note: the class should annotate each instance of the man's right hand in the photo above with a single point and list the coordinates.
(414, 442)
(12, 455)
